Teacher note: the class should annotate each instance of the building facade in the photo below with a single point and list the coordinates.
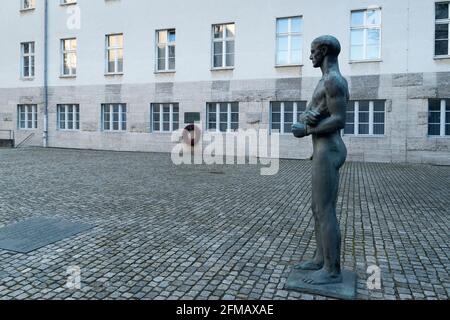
(122, 75)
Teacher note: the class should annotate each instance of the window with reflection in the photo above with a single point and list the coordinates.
(27, 116)
(289, 41)
(439, 117)
(223, 45)
(68, 117)
(114, 117)
(28, 4)
(69, 57)
(165, 117)
(222, 116)
(283, 114)
(365, 35)
(27, 60)
(165, 47)
(114, 53)
(442, 30)
(365, 117)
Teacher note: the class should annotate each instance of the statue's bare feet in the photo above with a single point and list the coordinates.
(310, 265)
(323, 277)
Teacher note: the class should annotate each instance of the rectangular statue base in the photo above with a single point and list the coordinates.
(344, 290)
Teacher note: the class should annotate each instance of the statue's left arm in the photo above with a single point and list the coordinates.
(336, 99)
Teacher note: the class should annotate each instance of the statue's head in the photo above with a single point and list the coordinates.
(322, 47)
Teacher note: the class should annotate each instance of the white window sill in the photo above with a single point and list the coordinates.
(364, 61)
(114, 131)
(67, 4)
(282, 134)
(222, 132)
(22, 129)
(27, 78)
(27, 10)
(223, 69)
(165, 71)
(112, 74)
(288, 65)
(163, 132)
(372, 136)
(441, 57)
(67, 76)
(68, 130)
(438, 137)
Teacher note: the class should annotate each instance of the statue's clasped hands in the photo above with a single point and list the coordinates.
(307, 119)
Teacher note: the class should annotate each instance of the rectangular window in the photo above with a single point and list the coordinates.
(289, 41)
(365, 118)
(114, 117)
(165, 117)
(365, 35)
(284, 114)
(223, 116)
(68, 117)
(28, 4)
(442, 30)
(27, 59)
(439, 117)
(69, 57)
(27, 116)
(223, 45)
(114, 53)
(165, 47)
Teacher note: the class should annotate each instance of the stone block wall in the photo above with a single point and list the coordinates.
(405, 138)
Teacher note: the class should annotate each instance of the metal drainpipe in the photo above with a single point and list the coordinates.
(45, 133)
(407, 75)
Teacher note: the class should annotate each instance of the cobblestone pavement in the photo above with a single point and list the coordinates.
(222, 232)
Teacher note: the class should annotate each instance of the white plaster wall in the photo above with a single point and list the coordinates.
(407, 38)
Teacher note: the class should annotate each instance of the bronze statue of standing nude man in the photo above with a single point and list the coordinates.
(324, 118)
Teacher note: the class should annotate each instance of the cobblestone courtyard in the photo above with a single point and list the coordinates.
(222, 232)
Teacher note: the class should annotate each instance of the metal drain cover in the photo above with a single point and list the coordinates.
(35, 233)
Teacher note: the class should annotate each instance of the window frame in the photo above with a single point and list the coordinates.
(289, 35)
(122, 124)
(75, 117)
(161, 118)
(32, 5)
(166, 47)
(370, 122)
(218, 122)
(69, 51)
(365, 27)
(224, 41)
(115, 48)
(441, 21)
(443, 118)
(31, 56)
(34, 116)
(67, 2)
(295, 112)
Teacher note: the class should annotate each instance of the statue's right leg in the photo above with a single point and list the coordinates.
(325, 187)
(317, 261)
